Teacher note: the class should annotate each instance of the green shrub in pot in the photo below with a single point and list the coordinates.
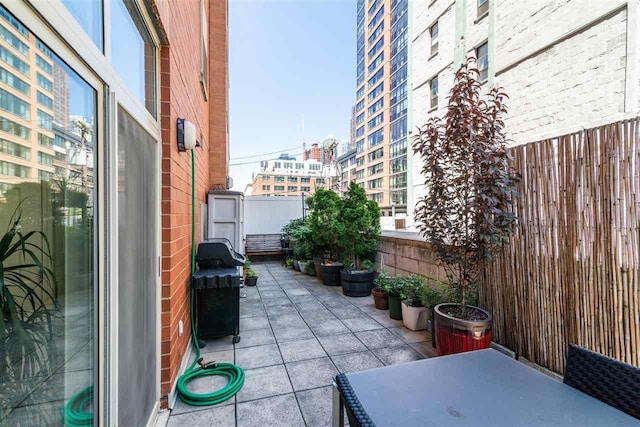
(393, 287)
(414, 315)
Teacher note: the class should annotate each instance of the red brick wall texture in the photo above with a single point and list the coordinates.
(182, 97)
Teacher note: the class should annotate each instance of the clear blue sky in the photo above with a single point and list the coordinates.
(288, 59)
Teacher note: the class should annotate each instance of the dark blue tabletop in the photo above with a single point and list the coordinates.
(479, 388)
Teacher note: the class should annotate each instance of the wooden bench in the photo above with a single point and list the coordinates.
(263, 244)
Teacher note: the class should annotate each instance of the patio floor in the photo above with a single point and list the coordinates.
(297, 334)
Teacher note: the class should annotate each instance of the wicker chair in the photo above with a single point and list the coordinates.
(608, 380)
(355, 412)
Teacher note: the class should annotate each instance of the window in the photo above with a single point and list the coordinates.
(377, 154)
(43, 64)
(375, 138)
(13, 21)
(376, 121)
(58, 141)
(374, 183)
(279, 179)
(292, 179)
(376, 33)
(360, 105)
(483, 61)
(44, 175)
(399, 60)
(375, 106)
(434, 38)
(398, 93)
(374, 21)
(376, 63)
(204, 51)
(14, 128)
(305, 188)
(374, 6)
(314, 167)
(377, 168)
(433, 90)
(360, 131)
(376, 197)
(44, 83)
(265, 178)
(279, 187)
(45, 121)
(399, 197)
(11, 103)
(399, 164)
(398, 181)
(299, 165)
(305, 179)
(14, 149)
(360, 92)
(14, 61)
(45, 100)
(11, 169)
(360, 161)
(45, 159)
(319, 180)
(399, 148)
(483, 7)
(374, 79)
(399, 110)
(399, 129)
(13, 40)
(277, 165)
(44, 140)
(288, 165)
(375, 92)
(376, 47)
(360, 146)
(292, 188)
(360, 174)
(44, 49)
(89, 16)
(13, 81)
(359, 118)
(136, 64)
(266, 188)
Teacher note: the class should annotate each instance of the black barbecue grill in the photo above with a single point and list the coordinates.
(217, 289)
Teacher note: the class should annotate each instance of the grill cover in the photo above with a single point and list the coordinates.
(215, 253)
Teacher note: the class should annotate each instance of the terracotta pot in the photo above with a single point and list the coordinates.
(414, 318)
(455, 335)
(395, 307)
(380, 299)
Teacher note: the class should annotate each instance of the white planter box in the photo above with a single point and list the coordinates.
(415, 318)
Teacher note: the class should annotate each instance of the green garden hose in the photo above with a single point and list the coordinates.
(76, 410)
(198, 368)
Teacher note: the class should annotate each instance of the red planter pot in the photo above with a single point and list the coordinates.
(455, 335)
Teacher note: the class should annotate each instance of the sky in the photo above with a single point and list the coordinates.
(289, 61)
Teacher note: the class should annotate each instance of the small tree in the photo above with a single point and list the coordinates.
(470, 185)
(361, 225)
(325, 224)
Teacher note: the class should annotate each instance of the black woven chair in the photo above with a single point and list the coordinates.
(608, 380)
(355, 412)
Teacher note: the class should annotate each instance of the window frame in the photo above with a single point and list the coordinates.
(434, 46)
(482, 8)
(483, 74)
(433, 103)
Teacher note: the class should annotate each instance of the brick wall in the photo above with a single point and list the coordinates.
(182, 97)
(404, 253)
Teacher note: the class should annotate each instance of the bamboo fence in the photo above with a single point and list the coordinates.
(572, 271)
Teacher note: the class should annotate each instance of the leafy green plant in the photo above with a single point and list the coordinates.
(27, 301)
(310, 267)
(412, 289)
(382, 281)
(361, 225)
(466, 214)
(303, 248)
(289, 229)
(436, 292)
(289, 262)
(325, 224)
(393, 285)
(251, 273)
(247, 263)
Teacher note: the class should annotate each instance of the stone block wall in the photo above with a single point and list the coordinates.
(404, 253)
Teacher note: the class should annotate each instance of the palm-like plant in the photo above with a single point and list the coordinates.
(27, 302)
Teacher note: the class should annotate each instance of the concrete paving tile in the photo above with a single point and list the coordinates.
(296, 292)
(292, 320)
(258, 357)
(217, 344)
(264, 382)
(341, 344)
(251, 323)
(355, 362)
(278, 411)
(313, 373)
(361, 323)
(409, 336)
(316, 406)
(281, 309)
(329, 327)
(378, 338)
(256, 337)
(292, 334)
(384, 319)
(272, 293)
(215, 416)
(397, 354)
(425, 348)
(295, 351)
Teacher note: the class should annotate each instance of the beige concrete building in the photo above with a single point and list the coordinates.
(287, 176)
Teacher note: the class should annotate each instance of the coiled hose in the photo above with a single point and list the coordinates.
(198, 368)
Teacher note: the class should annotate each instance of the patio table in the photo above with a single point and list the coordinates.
(479, 388)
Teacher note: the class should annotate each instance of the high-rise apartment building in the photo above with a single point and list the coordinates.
(565, 65)
(287, 176)
(381, 109)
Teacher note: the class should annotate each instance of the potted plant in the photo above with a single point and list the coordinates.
(414, 314)
(433, 293)
(310, 268)
(393, 287)
(303, 266)
(246, 266)
(28, 305)
(466, 214)
(251, 278)
(289, 262)
(326, 226)
(302, 250)
(360, 231)
(380, 296)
